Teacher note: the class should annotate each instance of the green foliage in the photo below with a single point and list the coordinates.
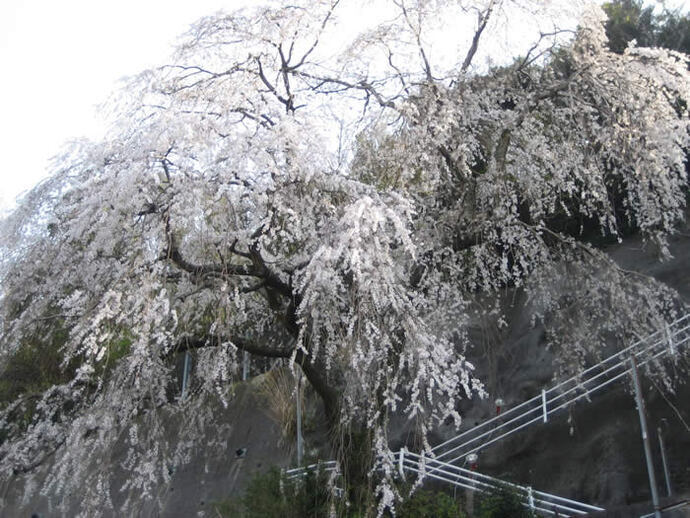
(675, 33)
(267, 496)
(503, 503)
(430, 504)
(116, 349)
(33, 367)
(38, 364)
(629, 20)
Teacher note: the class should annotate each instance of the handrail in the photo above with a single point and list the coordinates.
(673, 336)
(475, 481)
(676, 334)
(550, 411)
(301, 471)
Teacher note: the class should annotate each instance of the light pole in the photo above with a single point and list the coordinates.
(645, 437)
(667, 474)
(298, 404)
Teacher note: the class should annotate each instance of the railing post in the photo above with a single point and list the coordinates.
(245, 365)
(530, 498)
(185, 374)
(669, 340)
(543, 404)
(401, 460)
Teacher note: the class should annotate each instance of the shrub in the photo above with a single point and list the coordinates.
(503, 502)
(269, 495)
(430, 504)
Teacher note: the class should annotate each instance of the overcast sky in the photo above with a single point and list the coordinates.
(60, 58)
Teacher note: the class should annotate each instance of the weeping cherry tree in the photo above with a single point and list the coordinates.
(293, 188)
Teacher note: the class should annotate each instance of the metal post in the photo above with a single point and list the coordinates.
(245, 365)
(669, 339)
(185, 373)
(469, 496)
(300, 445)
(543, 405)
(645, 437)
(667, 475)
(530, 498)
(401, 460)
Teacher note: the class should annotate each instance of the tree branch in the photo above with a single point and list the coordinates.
(257, 269)
(314, 374)
(483, 20)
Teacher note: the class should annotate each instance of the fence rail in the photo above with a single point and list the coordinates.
(559, 397)
(663, 342)
(302, 471)
(538, 501)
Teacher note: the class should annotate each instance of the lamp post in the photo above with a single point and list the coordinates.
(667, 474)
(645, 437)
(472, 460)
(298, 406)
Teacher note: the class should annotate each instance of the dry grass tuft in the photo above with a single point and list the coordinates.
(277, 387)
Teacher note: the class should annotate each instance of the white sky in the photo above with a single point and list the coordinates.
(60, 58)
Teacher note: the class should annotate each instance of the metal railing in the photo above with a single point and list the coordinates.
(537, 501)
(296, 475)
(685, 504)
(538, 409)
(302, 471)
(559, 397)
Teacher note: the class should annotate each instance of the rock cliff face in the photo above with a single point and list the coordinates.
(593, 453)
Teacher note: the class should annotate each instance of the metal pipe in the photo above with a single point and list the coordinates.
(185, 374)
(474, 485)
(667, 474)
(577, 385)
(436, 466)
(299, 421)
(401, 461)
(645, 437)
(662, 352)
(245, 365)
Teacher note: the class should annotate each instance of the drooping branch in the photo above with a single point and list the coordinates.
(243, 344)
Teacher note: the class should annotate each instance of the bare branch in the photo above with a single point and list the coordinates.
(417, 31)
(483, 19)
